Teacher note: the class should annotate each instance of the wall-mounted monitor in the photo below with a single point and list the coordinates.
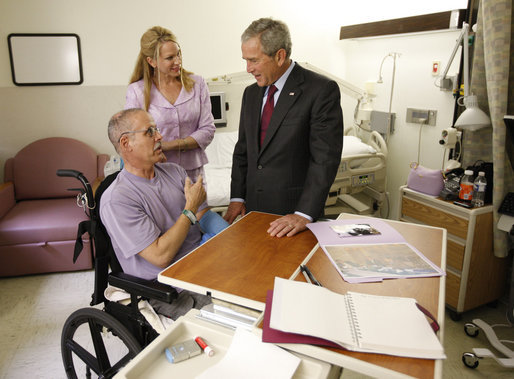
(219, 108)
(45, 59)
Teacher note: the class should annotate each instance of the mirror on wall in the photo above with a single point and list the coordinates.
(45, 59)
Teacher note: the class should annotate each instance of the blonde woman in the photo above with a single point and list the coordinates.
(177, 99)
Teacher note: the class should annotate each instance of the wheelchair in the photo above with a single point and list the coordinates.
(105, 340)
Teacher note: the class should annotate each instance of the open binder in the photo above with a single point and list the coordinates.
(355, 321)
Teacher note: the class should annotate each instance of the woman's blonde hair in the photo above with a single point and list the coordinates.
(151, 43)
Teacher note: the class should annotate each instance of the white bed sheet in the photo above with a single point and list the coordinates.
(218, 170)
(218, 186)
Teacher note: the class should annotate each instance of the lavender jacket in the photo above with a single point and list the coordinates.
(189, 116)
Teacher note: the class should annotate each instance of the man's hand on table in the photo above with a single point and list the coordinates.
(288, 225)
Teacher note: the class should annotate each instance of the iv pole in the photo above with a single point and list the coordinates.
(389, 117)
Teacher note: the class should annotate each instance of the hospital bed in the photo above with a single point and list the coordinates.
(359, 186)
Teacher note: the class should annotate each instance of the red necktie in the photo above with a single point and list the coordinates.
(267, 111)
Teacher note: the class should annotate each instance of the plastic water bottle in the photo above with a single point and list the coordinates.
(466, 186)
(479, 190)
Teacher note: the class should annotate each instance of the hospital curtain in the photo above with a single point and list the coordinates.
(492, 80)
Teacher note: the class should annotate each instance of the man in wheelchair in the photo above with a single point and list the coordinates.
(150, 210)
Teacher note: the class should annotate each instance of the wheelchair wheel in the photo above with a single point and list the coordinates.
(94, 340)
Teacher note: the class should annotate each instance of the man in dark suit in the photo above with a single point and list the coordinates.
(288, 166)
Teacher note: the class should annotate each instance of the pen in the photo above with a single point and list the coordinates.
(302, 268)
(313, 279)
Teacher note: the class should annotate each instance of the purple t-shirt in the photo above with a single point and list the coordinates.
(136, 211)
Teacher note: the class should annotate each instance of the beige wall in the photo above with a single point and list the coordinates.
(110, 30)
(81, 112)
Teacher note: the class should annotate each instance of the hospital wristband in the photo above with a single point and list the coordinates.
(190, 215)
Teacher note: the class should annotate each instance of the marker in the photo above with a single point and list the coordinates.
(302, 268)
(206, 348)
(311, 276)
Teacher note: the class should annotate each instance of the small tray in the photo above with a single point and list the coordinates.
(152, 363)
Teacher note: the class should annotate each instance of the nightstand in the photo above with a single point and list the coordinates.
(474, 276)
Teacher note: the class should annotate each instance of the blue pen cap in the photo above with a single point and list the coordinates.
(169, 356)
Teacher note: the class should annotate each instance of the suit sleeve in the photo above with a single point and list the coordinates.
(326, 144)
(240, 158)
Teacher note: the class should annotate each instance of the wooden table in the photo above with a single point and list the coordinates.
(240, 264)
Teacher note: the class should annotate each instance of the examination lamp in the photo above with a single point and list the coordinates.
(473, 118)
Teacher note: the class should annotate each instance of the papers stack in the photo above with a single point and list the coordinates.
(370, 251)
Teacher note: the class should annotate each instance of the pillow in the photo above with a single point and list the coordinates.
(353, 145)
(220, 150)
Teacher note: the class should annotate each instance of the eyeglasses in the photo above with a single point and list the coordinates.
(150, 132)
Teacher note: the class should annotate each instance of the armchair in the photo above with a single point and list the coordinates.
(38, 214)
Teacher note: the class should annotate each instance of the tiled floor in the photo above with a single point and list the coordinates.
(34, 308)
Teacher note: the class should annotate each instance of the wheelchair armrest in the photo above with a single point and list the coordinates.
(141, 287)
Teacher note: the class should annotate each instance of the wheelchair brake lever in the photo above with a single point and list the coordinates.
(85, 193)
(82, 201)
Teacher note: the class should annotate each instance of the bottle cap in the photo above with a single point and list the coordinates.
(468, 172)
(208, 350)
(481, 173)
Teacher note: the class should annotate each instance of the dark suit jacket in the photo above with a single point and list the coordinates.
(298, 161)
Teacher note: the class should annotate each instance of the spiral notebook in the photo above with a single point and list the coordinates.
(355, 321)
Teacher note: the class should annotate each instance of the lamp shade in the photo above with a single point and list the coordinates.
(473, 118)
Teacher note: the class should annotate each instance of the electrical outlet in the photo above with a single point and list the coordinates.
(421, 116)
